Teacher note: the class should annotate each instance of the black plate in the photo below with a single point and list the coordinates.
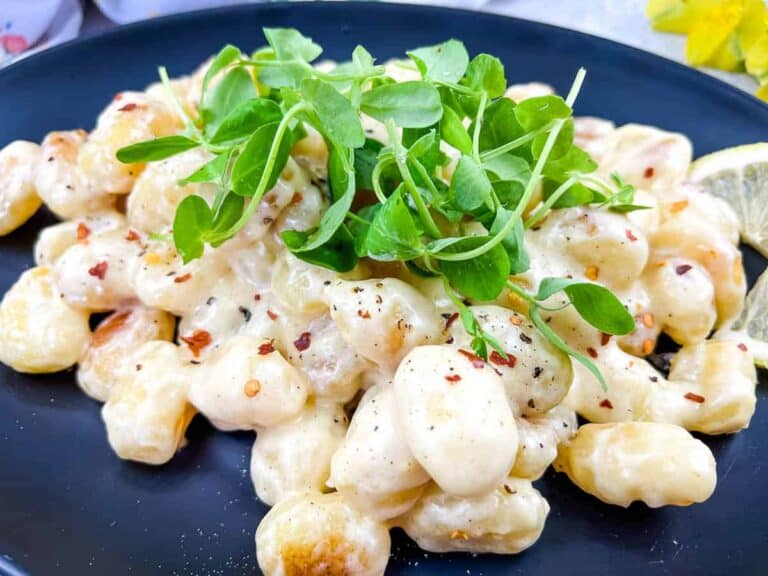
(69, 506)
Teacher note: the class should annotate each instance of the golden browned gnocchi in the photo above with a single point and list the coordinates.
(113, 343)
(658, 464)
(18, 196)
(147, 412)
(506, 520)
(296, 456)
(320, 534)
(40, 331)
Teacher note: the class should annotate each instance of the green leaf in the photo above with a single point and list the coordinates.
(513, 243)
(481, 278)
(365, 161)
(409, 104)
(359, 230)
(208, 172)
(362, 59)
(250, 165)
(157, 149)
(236, 87)
(338, 253)
(245, 119)
(563, 142)
(332, 218)
(486, 73)
(192, 221)
(444, 62)
(576, 195)
(287, 75)
(393, 234)
(509, 167)
(423, 145)
(453, 131)
(500, 125)
(470, 185)
(509, 192)
(290, 44)
(224, 58)
(575, 161)
(340, 121)
(229, 213)
(539, 111)
(559, 343)
(595, 303)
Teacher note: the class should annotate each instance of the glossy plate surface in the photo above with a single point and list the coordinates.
(69, 506)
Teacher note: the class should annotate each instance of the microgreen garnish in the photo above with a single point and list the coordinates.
(254, 108)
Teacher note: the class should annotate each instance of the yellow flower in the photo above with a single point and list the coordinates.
(753, 24)
(762, 92)
(757, 59)
(710, 33)
(677, 15)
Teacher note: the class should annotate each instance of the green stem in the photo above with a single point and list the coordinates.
(402, 166)
(424, 176)
(356, 218)
(269, 166)
(376, 179)
(516, 143)
(175, 101)
(520, 292)
(456, 87)
(478, 126)
(529, 189)
(542, 210)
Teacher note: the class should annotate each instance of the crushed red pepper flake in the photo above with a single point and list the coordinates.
(592, 352)
(82, 231)
(682, 269)
(630, 235)
(272, 315)
(183, 278)
(605, 338)
(99, 270)
(741, 346)
(516, 320)
(297, 197)
(451, 319)
(303, 341)
(132, 236)
(251, 388)
(693, 397)
(648, 346)
(198, 340)
(453, 377)
(648, 172)
(364, 314)
(266, 348)
(477, 362)
(606, 404)
(128, 107)
(257, 297)
(497, 358)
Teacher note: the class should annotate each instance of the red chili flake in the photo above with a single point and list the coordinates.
(606, 404)
(648, 172)
(630, 235)
(266, 348)
(497, 358)
(694, 397)
(197, 341)
(272, 315)
(303, 341)
(82, 231)
(477, 362)
(128, 107)
(183, 278)
(132, 236)
(592, 352)
(453, 377)
(364, 314)
(683, 269)
(451, 319)
(741, 346)
(297, 198)
(604, 338)
(99, 271)
(257, 297)
(118, 97)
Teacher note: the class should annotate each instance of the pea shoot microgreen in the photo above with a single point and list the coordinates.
(254, 108)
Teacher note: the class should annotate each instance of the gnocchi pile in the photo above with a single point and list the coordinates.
(370, 407)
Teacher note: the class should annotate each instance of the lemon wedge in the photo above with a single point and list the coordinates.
(754, 320)
(739, 176)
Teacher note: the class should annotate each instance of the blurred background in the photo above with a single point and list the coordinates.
(719, 32)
